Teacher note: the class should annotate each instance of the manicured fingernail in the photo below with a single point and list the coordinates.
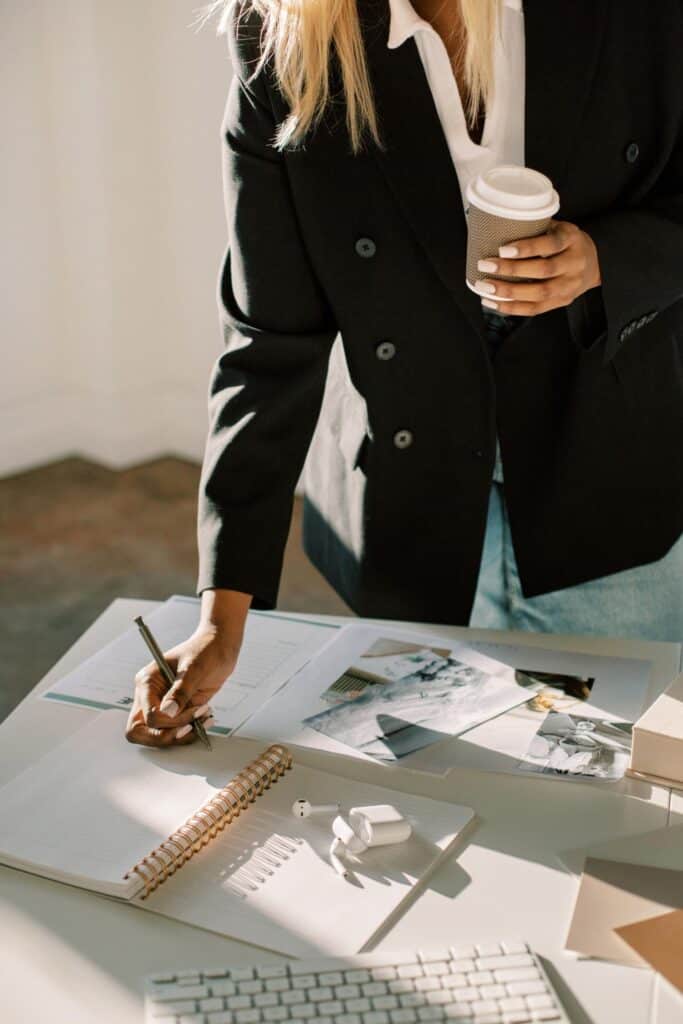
(183, 731)
(209, 721)
(508, 250)
(198, 712)
(486, 287)
(169, 707)
(488, 266)
(489, 303)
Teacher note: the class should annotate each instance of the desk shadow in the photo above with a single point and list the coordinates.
(575, 1010)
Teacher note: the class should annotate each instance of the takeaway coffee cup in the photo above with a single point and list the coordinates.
(505, 203)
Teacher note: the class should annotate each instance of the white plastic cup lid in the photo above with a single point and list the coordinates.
(510, 190)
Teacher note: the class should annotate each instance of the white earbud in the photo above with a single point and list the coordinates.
(343, 831)
(303, 809)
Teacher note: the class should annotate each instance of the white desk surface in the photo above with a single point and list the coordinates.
(75, 957)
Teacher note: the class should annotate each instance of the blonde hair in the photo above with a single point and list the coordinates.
(301, 36)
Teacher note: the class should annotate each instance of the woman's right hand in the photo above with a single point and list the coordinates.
(161, 716)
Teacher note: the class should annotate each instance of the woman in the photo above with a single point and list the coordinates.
(351, 130)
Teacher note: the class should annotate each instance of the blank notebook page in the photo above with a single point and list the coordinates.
(87, 811)
(99, 804)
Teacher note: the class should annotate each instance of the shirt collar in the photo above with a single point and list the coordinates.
(405, 21)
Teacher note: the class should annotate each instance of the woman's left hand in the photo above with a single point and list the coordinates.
(564, 259)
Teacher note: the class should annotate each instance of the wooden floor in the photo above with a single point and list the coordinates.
(74, 535)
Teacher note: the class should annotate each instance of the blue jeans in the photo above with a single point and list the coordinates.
(645, 602)
(642, 603)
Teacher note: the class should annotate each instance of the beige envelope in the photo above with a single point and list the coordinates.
(612, 895)
(659, 941)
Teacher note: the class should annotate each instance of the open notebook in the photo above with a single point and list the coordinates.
(95, 811)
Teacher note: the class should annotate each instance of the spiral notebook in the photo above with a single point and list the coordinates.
(208, 838)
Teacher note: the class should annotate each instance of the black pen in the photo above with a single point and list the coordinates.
(168, 673)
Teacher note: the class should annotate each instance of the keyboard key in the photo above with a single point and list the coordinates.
(439, 998)
(512, 1003)
(517, 974)
(242, 973)
(383, 973)
(272, 971)
(400, 985)
(376, 1017)
(275, 1012)
(358, 1005)
(210, 1004)
(435, 970)
(454, 981)
(458, 1013)
(347, 991)
(286, 998)
(238, 1003)
(247, 1016)
(410, 971)
(516, 1016)
(302, 1010)
(484, 1006)
(331, 978)
(412, 999)
(490, 963)
(160, 978)
(427, 984)
(173, 1009)
(357, 977)
(375, 988)
(541, 1001)
(463, 953)
(320, 995)
(462, 966)
(468, 995)
(272, 998)
(429, 1013)
(250, 988)
(434, 955)
(489, 949)
(385, 1002)
(348, 1018)
(216, 972)
(545, 1014)
(493, 991)
(332, 1009)
(525, 988)
(223, 988)
(515, 946)
(480, 978)
(305, 981)
(170, 993)
(224, 1017)
(403, 1016)
(276, 984)
(191, 1018)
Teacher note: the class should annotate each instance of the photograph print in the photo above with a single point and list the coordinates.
(399, 697)
(573, 745)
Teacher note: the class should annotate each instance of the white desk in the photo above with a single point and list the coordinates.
(74, 957)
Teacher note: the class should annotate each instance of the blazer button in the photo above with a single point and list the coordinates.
(366, 248)
(385, 350)
(403, 439)
(631, 152)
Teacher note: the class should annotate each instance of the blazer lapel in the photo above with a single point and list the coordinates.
(562, 45)
(417, 162)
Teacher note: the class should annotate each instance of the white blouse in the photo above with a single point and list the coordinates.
(502, 139)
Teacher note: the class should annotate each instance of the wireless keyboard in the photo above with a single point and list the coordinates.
(494, 983)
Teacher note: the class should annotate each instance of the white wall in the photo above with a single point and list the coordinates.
(112, 228)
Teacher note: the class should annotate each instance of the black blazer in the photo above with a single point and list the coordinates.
(587, 398)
